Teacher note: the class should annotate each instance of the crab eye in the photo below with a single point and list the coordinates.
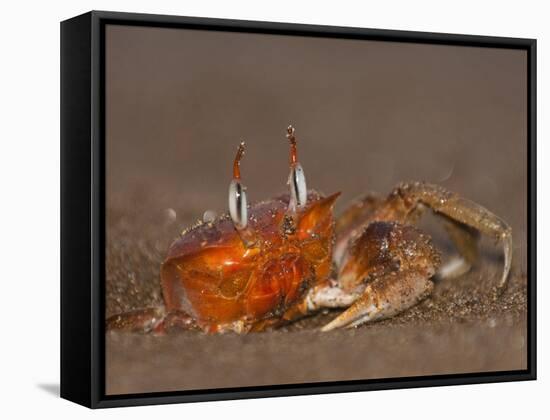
(298, 188)
(237, 194)
(237, 204)
(296, 178)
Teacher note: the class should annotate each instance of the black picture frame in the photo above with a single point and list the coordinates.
(83, 207)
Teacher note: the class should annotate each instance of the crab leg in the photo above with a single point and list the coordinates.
(155, 320)
(138, 320)
(465, 212)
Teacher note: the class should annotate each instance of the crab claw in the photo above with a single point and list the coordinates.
(388, 266)
(385, 297)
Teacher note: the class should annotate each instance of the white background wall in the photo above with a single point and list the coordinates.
(29, 218)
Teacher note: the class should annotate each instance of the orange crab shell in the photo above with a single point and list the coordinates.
(212, 276)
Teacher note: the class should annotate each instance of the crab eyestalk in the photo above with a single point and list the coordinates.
(238, 204)
(296, 178)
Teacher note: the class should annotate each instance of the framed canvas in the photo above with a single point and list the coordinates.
(255, 209)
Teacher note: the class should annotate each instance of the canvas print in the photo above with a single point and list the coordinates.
(296, 209)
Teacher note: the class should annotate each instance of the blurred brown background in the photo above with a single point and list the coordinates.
(367, 115)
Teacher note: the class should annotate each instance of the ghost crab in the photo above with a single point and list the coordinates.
(278, 260)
